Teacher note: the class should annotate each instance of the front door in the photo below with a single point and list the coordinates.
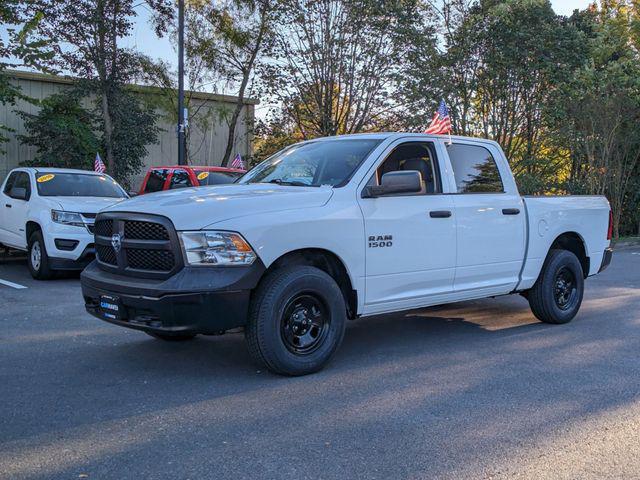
(410, 239)
(15, 211)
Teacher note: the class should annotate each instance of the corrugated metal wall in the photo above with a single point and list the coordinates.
(208, 131)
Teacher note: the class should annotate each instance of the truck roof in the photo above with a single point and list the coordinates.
(392, 135)
(57, 170)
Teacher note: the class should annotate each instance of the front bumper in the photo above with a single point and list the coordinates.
(205, 300)
(85, 258)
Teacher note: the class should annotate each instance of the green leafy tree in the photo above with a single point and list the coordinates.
(87, 35)
(62, 132)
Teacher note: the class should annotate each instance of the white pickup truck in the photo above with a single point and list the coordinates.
(49, 212)
(339, 228)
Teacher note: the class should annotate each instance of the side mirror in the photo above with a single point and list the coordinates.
(18, 193)
(395, 183)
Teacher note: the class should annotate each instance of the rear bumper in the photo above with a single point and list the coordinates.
(195, 300)
(606, 259)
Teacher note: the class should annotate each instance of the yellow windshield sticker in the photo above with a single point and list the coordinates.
(203, 175)
(46, 178)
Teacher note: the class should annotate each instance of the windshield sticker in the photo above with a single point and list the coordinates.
(203, 175)
(46, 178)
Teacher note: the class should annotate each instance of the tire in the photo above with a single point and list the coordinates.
(557, 294)
(167, 337)
(37, 258)
(297, 320)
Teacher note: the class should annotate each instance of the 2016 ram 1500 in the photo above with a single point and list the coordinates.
(339, 228)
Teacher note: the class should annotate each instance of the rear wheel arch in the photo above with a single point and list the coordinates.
(574, 243)
(326, 261)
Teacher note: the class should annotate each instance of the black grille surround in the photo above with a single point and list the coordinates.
(149, 245)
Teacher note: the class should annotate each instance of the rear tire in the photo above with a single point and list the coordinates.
(37, 258)
(181, 337)
(296, 321)
(557, 294)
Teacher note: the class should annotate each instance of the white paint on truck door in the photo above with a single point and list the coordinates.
(490, 220)
(410, 256)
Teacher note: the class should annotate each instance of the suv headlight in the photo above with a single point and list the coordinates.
(67, 218)
(216, 248)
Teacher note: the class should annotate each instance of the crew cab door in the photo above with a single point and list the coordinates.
(490, 219)
(14, 210)
(410, 239)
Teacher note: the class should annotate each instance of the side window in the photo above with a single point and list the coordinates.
(180, 179)
(156, 180)
(10, 181)
(475, 169)
(21, 180)
(417, 156)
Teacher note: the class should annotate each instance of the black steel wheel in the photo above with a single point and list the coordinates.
(557, 294)
(296, 320)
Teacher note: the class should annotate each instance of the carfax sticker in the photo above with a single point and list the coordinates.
(46, 178)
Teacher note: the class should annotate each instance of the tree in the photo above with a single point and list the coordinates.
(62, 132)
(87, 33)
(334, 64)
(18, 48)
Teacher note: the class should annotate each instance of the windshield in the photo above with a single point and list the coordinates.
(326, 162)
(77, 185)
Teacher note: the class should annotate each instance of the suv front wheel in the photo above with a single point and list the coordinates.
(296, 320)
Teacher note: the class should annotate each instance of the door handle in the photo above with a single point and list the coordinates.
(8, 205)
(510, 211)
(440, 214)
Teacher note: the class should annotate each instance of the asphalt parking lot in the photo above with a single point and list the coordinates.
(471, 390)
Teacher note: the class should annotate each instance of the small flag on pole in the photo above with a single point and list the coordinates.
(441, 123)
(237, 162)
(98, 164)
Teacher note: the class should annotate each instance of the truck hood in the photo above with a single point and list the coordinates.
(83, 204)
(196, 208)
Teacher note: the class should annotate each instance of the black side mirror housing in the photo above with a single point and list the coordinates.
(18, 193)
(395, 183)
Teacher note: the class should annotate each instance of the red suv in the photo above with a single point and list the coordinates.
(170, 178)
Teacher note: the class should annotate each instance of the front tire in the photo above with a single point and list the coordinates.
(38, 259)
(296, 321)
(557, 294)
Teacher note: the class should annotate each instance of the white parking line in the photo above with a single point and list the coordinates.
(11, 284)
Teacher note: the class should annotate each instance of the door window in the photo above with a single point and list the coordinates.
(416, 156)
(155, 182)
(10, 181)
(21, 180)
(180, 179)
(475, 169)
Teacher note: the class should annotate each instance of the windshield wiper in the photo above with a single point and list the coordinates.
(294, 183)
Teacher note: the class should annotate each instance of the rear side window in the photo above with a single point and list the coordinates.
(475, 169)
(180, 179)
(155, 182)
(216, 178)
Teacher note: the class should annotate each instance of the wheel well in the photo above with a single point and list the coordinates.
(31, 227)
(329, 263)
(572, 242)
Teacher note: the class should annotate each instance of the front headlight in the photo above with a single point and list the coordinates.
(216, 248)
(67, 218)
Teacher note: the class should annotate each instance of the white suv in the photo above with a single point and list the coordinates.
(49, 212)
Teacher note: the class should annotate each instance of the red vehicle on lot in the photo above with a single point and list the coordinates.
(183, 176)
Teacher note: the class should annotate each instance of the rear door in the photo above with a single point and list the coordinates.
(410, 239)
(179, 179)
(490, 217)
(156, 180)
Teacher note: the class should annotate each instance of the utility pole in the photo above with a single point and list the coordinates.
(181, 109)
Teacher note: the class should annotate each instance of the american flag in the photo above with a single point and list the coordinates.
(237, 162)
(98, 164)
(441, 123)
